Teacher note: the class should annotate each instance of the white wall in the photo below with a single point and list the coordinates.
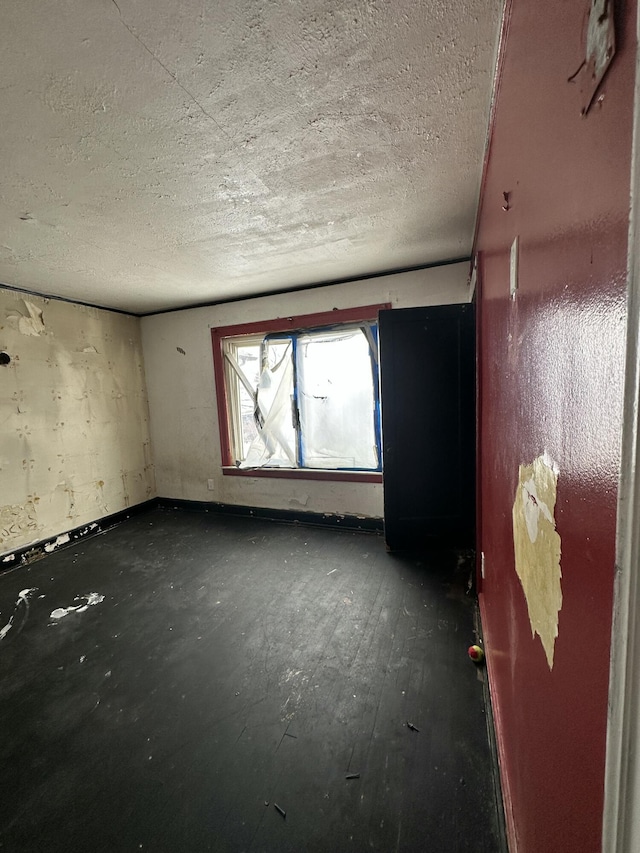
(184, 422)
(74, 422)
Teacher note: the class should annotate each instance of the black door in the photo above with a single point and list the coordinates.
(427, 371)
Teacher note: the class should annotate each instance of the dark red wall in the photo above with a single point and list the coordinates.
(551, 378)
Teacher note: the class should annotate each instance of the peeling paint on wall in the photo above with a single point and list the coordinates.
(537, 548)
(24, 556)
(60, 540)
(28, 321)
(302, 501)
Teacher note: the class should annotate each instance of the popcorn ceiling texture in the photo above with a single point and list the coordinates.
(164, 154)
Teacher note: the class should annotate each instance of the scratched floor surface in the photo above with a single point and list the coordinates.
(235, 676)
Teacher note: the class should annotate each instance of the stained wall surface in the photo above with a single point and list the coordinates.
(184, 421)
(551, 393)
(74, 422)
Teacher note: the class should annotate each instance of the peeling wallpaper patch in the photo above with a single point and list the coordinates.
(74, 412)
(17, 520)
(537, 548)
(29, 321)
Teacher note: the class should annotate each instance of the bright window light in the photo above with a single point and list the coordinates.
(305, 399)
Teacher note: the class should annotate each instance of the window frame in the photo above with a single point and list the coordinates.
(299, 323)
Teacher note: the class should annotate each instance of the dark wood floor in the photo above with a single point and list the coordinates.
(233, 665)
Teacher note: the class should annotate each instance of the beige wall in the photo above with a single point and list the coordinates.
(74, 423)
(184, 422)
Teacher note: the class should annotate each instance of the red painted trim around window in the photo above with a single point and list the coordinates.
(282, 324)
(305, 474)
(221, 395)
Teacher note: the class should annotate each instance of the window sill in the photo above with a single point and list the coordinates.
(305, 474)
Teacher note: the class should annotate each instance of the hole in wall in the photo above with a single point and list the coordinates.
(5, 358)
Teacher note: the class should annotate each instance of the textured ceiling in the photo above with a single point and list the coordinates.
(160, 154)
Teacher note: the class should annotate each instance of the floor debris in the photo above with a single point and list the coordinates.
(86, 601)
(23, 598)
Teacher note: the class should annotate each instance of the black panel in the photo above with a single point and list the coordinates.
(315, 519)
(427, 362)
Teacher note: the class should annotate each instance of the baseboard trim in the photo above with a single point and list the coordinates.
(493, 743)
(496, 742)
(38, 550)
(365, 524)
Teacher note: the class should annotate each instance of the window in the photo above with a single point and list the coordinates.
(300, 394)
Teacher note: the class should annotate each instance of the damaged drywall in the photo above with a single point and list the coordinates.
(74, 414)
(538, 548)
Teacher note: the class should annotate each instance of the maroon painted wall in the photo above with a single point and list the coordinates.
(551, 378)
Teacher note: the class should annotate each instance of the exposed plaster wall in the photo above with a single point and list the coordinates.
(184, 422)
(74, 423)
